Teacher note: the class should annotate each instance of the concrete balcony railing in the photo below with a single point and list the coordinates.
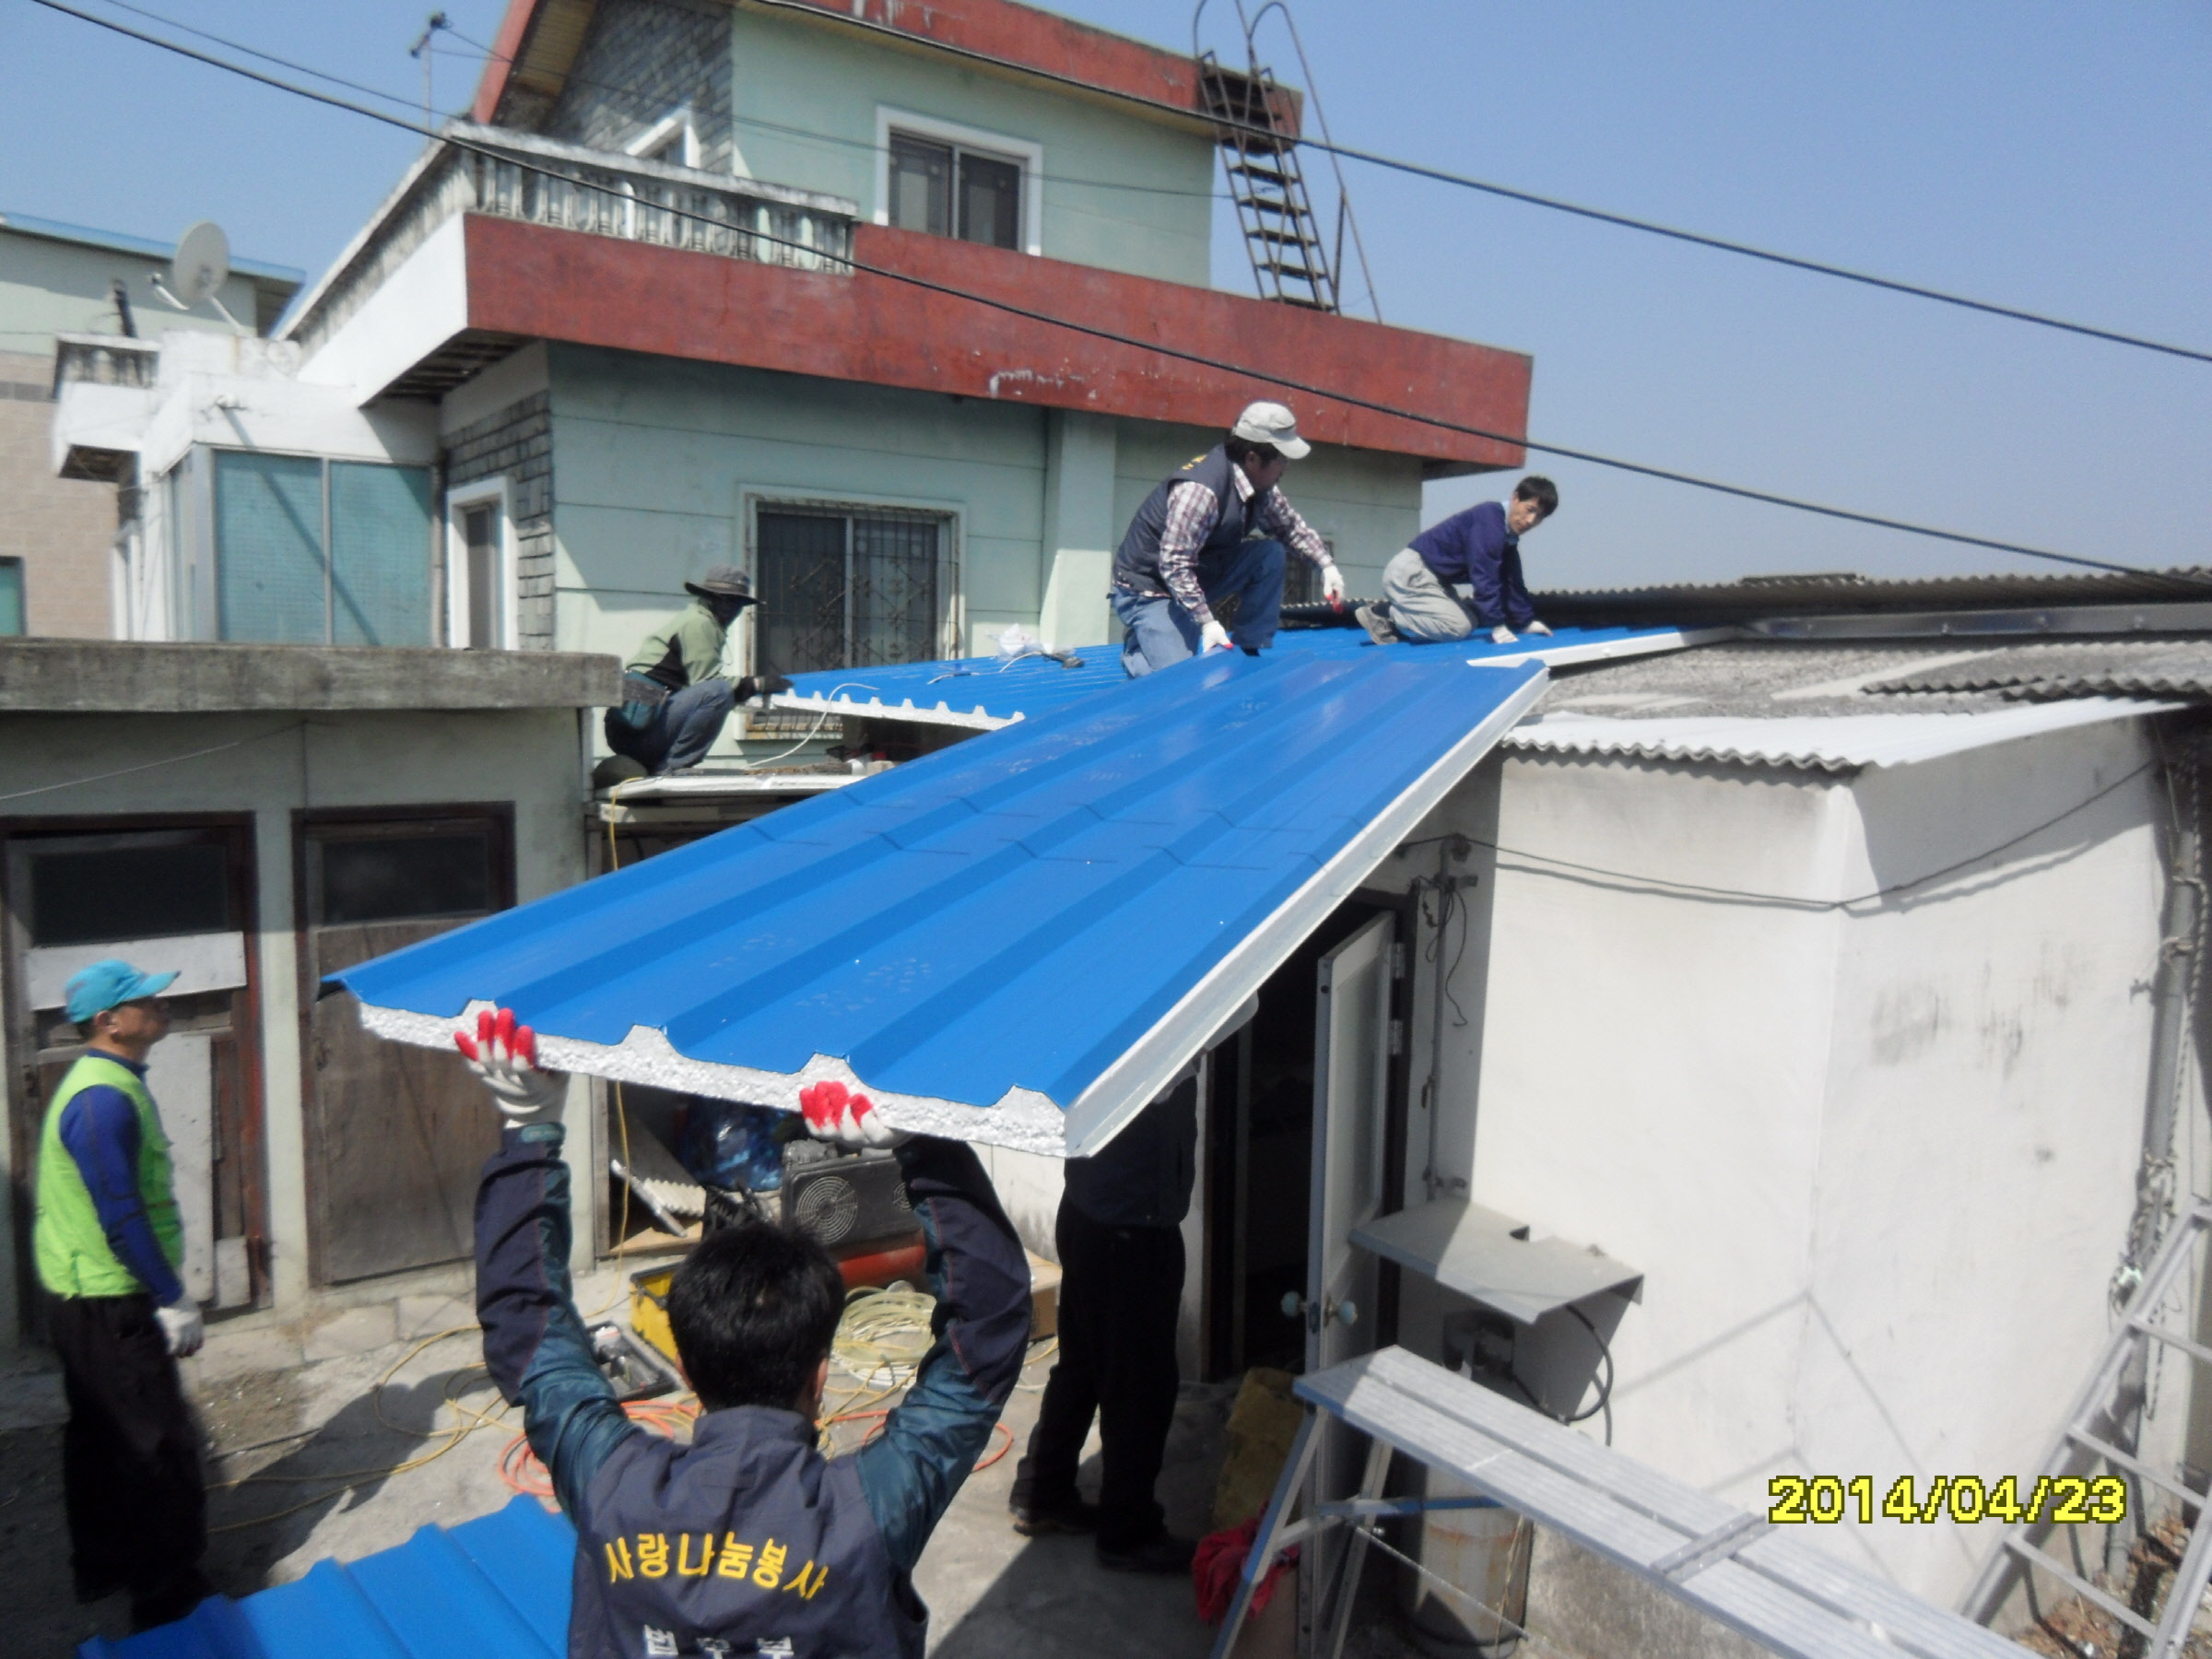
(565, 186)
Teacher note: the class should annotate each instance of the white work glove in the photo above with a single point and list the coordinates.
(1212, 637)
(504, 1055)
(845, 1117)
(1332, 586)
(1538, 628)
(1502, 635)
(182, 1328)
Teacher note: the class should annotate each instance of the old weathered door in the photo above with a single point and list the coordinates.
(1351, 1089)
(395, 1134)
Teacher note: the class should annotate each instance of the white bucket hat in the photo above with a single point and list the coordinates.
(1271, 424)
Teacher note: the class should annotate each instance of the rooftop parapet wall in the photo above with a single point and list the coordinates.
(534, 283)
(102, 677)
(539, 40)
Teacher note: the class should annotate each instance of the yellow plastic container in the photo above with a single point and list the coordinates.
(649, 1307)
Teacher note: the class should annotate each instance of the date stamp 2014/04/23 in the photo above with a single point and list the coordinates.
(2064, 1500)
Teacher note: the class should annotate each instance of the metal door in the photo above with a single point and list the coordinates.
(1351, 1094)
(396, 1135)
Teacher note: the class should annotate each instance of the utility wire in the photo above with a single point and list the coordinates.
(1445, 176)
(2180, 582)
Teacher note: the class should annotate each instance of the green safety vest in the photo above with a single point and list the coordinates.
(67, 1241)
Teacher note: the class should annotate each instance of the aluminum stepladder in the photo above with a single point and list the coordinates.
(2086, 1440)
(1768, 1582)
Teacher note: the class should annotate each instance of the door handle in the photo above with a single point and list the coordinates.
(1315, 1315)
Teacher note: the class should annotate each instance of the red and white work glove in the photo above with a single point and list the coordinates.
(1538, 628)
(504, 1055)
(1332, 586)
(1502, 635)
(1212, 636)
(837, 1114)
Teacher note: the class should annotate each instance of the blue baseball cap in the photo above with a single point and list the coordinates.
(108, 982)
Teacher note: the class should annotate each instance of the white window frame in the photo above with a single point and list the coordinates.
(661, 131)
(999, 146)
(459, 499)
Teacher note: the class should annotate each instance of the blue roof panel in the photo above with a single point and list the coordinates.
(983, 693)
(1017, 939)
(499, 1585)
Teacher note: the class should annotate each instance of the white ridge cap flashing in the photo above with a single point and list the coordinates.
(1832, 742)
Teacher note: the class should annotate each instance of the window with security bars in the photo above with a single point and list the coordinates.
(847, 590)
(1302, 581)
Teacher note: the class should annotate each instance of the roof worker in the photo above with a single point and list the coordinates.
(108, 1240)
(747, 1540)
(1186, 550)
(676, 698)
(1120, 1241)
(1464, 575)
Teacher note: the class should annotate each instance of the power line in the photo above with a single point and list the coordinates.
(1590, 457)
(1602, 216)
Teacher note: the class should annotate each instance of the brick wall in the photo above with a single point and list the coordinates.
(642, 61)
(517, 442)
(62, 529)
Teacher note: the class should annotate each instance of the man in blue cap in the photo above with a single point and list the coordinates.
(107, 1242)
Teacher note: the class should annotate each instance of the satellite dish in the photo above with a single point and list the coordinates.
(201, 263)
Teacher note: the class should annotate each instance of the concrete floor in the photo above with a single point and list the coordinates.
(290, 1409)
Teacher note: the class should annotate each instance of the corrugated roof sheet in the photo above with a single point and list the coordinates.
(1827, 743)
(1756, 597)
(983, 693)
(496, 1585)
(1017, 940)
(2090, 668)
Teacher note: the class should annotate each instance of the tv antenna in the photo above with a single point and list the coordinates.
(423, 49)
(197, 271)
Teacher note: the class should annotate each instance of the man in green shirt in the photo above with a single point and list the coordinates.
(674, 695)
(108, 1242)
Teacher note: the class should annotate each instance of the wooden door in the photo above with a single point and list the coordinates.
(397, 1134)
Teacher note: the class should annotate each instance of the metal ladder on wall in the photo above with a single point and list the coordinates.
(2099, 1418)
(1274, 211)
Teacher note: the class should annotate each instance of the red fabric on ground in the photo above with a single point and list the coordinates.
(1219, 1564)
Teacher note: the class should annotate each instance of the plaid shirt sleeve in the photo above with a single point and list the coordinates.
(1193, 511)
(1279, 518)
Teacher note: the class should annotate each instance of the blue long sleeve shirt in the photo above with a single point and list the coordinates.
(797, 1544)
(99, 1130)
(1476, 547)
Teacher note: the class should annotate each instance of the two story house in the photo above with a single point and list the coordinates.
(777, 283)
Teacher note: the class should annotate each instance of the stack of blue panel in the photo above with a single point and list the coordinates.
(494, 1587)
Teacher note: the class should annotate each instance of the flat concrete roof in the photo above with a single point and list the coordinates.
(112, 677)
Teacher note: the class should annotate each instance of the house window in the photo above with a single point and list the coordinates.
(948, 189)
(1302, 581)
(11, 597)
(480, 573)
(313, 552)
(673, 139)
(850, 590)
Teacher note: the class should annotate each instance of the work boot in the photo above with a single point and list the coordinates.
(1039, 1520)
(1375, 619)
(1158, 1553)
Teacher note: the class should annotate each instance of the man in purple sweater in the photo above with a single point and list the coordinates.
(1464, 575)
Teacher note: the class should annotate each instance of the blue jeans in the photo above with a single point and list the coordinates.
(681, 730)
(1160, 631)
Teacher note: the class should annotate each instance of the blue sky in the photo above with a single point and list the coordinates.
(2057, 158)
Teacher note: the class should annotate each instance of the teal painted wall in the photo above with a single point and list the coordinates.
(657, 461)
(1122, 191)
(1369, 505)
(49, 288)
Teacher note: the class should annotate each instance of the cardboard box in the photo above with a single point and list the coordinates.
(1045, 1297)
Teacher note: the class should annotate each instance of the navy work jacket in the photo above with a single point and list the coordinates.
(1475, 548)
(747, 1541)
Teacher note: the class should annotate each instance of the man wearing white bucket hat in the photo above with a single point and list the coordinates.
(1213, 532)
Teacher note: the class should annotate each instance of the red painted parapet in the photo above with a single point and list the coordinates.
(596, 290)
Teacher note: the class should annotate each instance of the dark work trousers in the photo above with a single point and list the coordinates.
(130, 1457)
(682, 730)
(1120, 1287)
